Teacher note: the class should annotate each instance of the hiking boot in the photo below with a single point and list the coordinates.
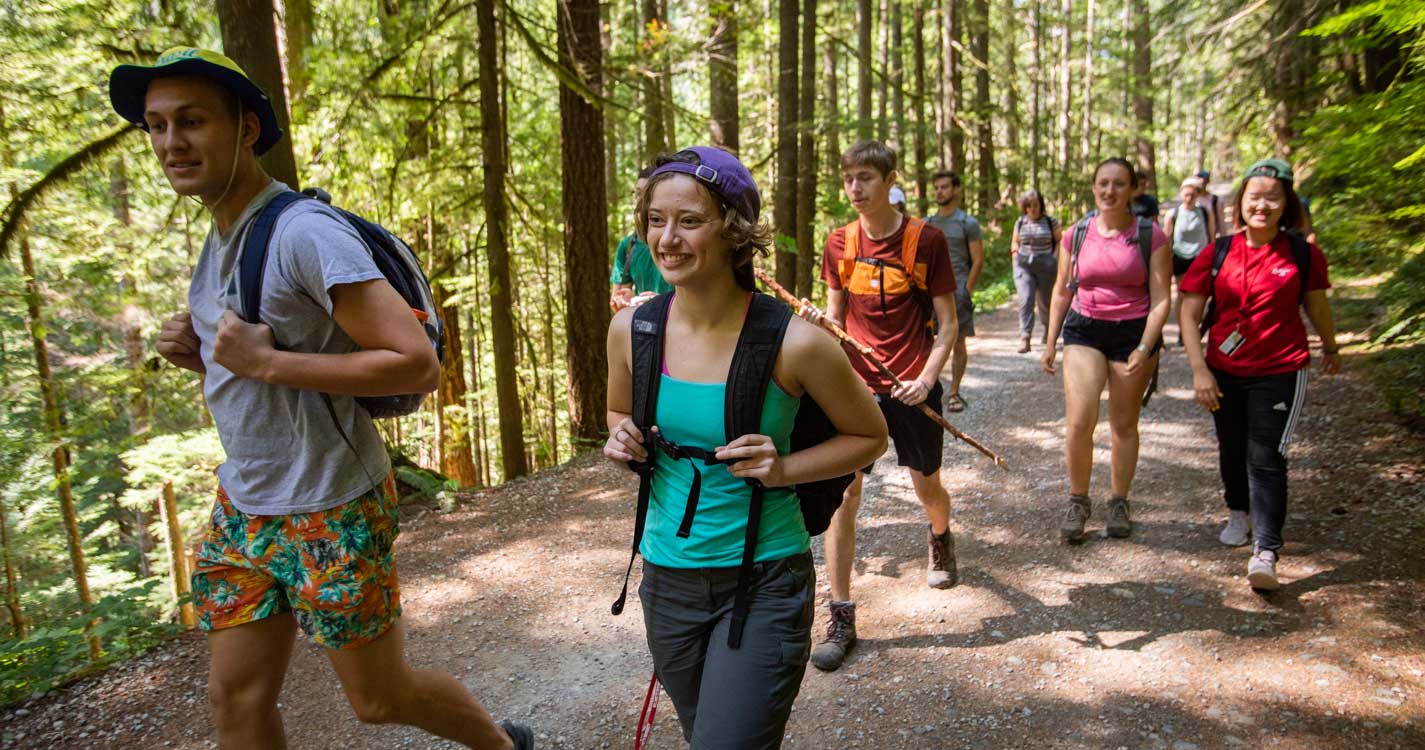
(519, 734)
(1119, 525)
(1238, 530)
(1262, 570)
(1071, 529)
(1023, 344)
(941, 573)
(840, 638)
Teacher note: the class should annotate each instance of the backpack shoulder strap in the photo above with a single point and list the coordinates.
(1076, 243)
(910, 240)
(1145, 243)
(850, 248)
(1301, 253)
(253, 259)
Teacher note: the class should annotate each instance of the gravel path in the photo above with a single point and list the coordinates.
(1149, 642)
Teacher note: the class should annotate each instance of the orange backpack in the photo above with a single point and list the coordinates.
(866, 276)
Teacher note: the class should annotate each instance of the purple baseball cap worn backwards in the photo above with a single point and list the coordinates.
(721, 173)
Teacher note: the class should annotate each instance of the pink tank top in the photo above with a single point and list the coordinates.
(1113, 284)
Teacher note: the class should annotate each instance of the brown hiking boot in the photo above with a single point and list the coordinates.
(941, 573)
(1072, 527)
(1119, 524)
(840, 638)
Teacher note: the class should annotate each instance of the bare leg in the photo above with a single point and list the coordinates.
(246, 665)
(1125, 401)
(1085, 371)
(933, 498)
(383, 689)
(841, 541)
(958, 359)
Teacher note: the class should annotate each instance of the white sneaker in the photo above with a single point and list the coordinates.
(1238, 531)
(1262, 571)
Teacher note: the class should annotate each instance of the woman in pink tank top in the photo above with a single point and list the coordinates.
(1110, 306)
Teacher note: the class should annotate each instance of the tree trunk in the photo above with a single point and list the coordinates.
(177, 560)
(1036, 80)
(722, 76)
(955, 134)
(917, 165)
(586, 265)
(250, 38)
(492, 137)
(12, 586)
(864, 122)
(984, 110)
(1089, 39)
(1296, 60)
(456, 460)
(833, 111)
(806, 153)
(1143, 87)
(655, 135)
(297, 30)
(54, 434)
(784, 206)
(612, 194)
(131, 323)
(1066, 76)
(1014, 161)
(898, 113)
(883, 26)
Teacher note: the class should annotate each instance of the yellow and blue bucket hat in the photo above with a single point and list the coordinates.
(128, 85)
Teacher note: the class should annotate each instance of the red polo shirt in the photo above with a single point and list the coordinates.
(1258, 294)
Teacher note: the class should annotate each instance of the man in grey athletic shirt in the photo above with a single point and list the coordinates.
(966, 245)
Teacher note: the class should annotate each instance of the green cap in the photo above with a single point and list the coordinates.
(1277, 168)
(128, 85)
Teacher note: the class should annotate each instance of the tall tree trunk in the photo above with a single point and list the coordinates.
(864, 123)
(806, 153)
(833, 111)
(1036, 80)
(984, 110)
(12, 586)
(492, 137)
(1296, 60)
(883, 26)
(54, 434)
(586, 265)
(784, 206)
(456, 460)
(1014, 161)
(898, 114)
(665, 73)
(1143, 87)
(131, 323)
(655, 134)
(722, 75)
(249, 31)
(1066, 82)
(297, 30)
(955, 133)
(177, 557)
(612, 194)
(1085, 147)
(917, 33)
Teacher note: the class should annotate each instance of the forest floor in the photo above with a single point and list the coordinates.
(1149, 642)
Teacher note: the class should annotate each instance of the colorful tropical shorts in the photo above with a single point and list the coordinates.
(333, 569)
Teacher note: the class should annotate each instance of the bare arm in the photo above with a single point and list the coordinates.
(977, 264)
(1318, 311)
(625, 441)
(1204, 383)
(1014, 242)
(836, 306)
(1160, 302)
(1058, 308)
(949, 330)
(395, 357)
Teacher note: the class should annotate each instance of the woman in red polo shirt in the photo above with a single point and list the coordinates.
(1253, 374)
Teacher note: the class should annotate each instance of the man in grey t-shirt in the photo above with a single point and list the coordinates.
(302, 530)
(966, 246)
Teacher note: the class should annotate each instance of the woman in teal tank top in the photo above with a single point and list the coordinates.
(699, 214)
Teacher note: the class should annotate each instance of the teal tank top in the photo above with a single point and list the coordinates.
(692, 414)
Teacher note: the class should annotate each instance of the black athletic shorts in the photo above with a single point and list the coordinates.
(1181, 265)
(919, 439)
(1115, 338)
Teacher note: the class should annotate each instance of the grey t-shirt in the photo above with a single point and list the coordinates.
(284, 455)
(960, 230)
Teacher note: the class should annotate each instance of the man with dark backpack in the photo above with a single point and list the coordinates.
(891, 285)
(302, 530)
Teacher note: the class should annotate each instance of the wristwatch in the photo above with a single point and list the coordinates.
(1141, 348)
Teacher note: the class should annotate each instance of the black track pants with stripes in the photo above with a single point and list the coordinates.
(1254, 426)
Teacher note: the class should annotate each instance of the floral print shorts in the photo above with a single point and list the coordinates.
(333, 569)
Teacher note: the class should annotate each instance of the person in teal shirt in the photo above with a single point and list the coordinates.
(634, 271)
(700, 211)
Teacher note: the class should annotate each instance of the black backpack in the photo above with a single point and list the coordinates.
(747, 382)
(1300, 254)
(392, 256)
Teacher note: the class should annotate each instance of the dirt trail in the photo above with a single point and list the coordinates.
(1150, 642)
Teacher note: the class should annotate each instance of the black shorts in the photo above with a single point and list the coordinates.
(1115, 338)
(1181, 265)
(919, 440)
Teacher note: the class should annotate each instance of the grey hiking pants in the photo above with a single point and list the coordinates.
(730, 699)
(1034, 280)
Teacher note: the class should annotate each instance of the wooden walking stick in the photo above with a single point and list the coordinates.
(869, 355)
